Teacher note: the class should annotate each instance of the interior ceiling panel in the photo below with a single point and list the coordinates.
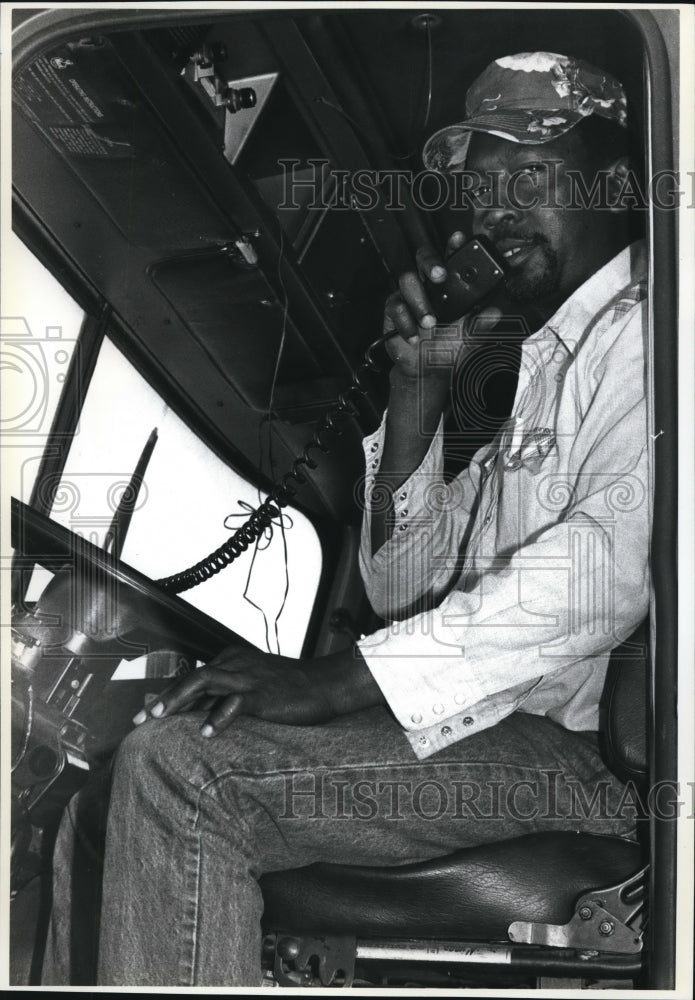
(392, 56)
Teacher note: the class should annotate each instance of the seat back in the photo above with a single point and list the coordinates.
(624, 708)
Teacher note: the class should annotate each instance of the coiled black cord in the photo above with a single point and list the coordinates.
(285, 490)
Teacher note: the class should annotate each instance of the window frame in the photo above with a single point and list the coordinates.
(101, 322)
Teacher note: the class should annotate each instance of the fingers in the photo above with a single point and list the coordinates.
(400, 317)
(409, 311)
(429, 265)
(203, 704)
(429, 262)
(208, 681)
(218, 720)
(144, 714)
(455, 241)
(414, 296)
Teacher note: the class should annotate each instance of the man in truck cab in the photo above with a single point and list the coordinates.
(472, 716)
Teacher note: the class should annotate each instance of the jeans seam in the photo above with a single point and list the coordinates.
(187, 971)
(341, 768)
(193, 853)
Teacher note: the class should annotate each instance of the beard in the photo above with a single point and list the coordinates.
(538, 277)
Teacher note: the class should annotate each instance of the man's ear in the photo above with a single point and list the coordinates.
(622, 188)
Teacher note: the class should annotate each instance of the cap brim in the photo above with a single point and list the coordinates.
(447, 149)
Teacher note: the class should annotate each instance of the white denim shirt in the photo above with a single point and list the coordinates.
(555, 569)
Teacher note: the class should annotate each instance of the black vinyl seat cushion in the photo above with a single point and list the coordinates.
(478, 892)
(473, 894)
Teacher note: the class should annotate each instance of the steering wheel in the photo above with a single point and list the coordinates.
(108, 598)
(96, 611)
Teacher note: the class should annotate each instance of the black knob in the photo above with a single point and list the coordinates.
(245, 97)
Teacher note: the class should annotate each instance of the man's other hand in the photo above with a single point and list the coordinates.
(243, 680)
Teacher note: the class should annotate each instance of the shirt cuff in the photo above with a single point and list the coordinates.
(414, 678)
(434, 709)
(483, 715)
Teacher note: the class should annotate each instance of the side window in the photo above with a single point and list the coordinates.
(189, 503)
(40, 328)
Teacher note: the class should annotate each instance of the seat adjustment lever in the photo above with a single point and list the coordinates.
(604, 919)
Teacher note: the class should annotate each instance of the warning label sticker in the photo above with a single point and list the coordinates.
(80, 120)
(85, 141)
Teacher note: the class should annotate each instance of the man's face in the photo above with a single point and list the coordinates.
(549, 249)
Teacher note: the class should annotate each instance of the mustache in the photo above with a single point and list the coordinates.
(504, 232)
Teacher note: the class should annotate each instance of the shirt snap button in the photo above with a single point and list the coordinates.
(446, 730)
(375, 447)
(468, 721)
(404, 513)
(402, 527)
(402, 496)
(559, 378)
(416, 717)
(437, 709)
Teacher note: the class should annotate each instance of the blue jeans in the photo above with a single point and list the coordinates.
(194, 823)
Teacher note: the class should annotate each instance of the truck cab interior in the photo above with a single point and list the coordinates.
(187, 177)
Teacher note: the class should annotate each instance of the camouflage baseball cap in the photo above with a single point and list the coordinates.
(531, 98)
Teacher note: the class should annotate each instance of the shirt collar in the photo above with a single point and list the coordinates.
(624, 271)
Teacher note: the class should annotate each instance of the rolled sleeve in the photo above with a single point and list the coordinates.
(419, 560)
(412, 501)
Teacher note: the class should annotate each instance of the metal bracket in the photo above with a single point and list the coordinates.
(206, 71)
(334, 959)
(606, 919)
